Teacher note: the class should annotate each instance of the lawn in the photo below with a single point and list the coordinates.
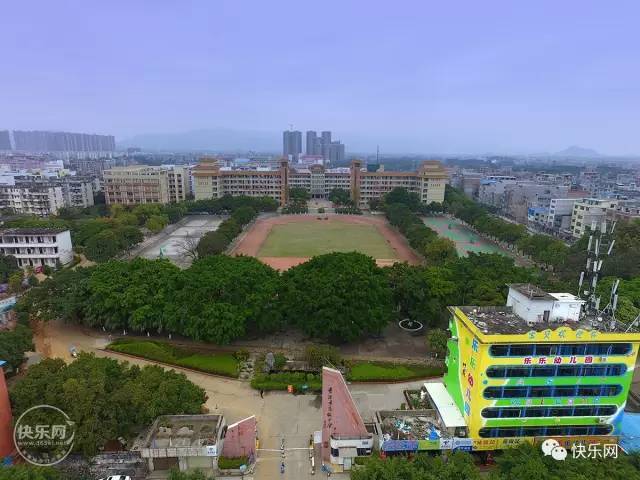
(308, 239)
(219, 364)
(382, 371)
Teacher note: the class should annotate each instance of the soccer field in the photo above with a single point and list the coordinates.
(307, 239)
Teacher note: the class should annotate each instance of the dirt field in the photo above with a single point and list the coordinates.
(254, 239)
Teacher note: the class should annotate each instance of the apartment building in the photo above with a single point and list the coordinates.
(521, 196)
(213, 181)
(560, 211)
(588, 212)
(77, 192)
(42, 199)
(35, 247)
(144, 184)
(625, 211)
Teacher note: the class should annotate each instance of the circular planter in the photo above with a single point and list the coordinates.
(412, 327)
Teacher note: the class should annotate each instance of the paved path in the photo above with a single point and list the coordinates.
(280, 415)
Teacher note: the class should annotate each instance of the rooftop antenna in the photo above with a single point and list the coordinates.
(600, 244)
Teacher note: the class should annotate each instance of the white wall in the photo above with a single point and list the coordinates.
(530, 310)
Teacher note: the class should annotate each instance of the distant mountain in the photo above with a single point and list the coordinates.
(217, 139)
(576, 151)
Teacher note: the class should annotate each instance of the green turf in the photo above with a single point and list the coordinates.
(220, 364)
(380, 371)
(466, 240)
(308, 239)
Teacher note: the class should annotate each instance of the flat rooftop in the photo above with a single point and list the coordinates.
(32, 231)
(530, 291)
(183, 431)
(410, 425)
(503, 321)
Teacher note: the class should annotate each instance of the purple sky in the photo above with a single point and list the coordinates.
(413, 76)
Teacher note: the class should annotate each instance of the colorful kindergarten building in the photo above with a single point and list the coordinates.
(522, 373)
(534, 369)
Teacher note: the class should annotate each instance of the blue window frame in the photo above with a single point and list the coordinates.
(565, 430)
(524, 371)
(562, 349)
(552, 411)
(552, 391)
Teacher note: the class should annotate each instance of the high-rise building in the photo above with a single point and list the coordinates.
(63, 142)
(336, 152)
(325, 142)
(312, 143)
(292, 143)
(5, 140)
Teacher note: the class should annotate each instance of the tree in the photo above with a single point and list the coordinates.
(455, 466)
(297, 194)
(229, 228)
(403, 196)
(422, 293)
(223, 298)
(61, 296)
(188, 247)
(440, 251)
(15, 281)
(8, 265)
(13, 344)
(340, 196)
(212, 243)
(244, 215)
(105, 399)
(132, 295)
(156, 223)
(30, 472)
(103, 246)
(195, 475)
(338, 297)
(437, 339)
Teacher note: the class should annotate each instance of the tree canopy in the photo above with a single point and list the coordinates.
(13, 344)
(339, 297)
(105, 398)
(8, 265)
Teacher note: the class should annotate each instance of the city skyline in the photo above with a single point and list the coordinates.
(417, 78)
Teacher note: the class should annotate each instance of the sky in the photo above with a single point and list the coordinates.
(412, 76)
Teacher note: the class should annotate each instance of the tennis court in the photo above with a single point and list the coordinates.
(465, 239)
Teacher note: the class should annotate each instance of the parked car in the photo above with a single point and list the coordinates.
(117, 477)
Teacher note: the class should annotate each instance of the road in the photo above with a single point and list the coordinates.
(280, 415)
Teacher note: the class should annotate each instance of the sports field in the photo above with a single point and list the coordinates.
(466, 240)
(283, 241)
(309, 239)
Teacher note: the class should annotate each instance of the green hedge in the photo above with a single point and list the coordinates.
(232, 463)
(220, 364)
(280, 381)
(381, 371)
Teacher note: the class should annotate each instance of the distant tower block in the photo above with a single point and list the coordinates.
(6, 429)
(340, 416)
